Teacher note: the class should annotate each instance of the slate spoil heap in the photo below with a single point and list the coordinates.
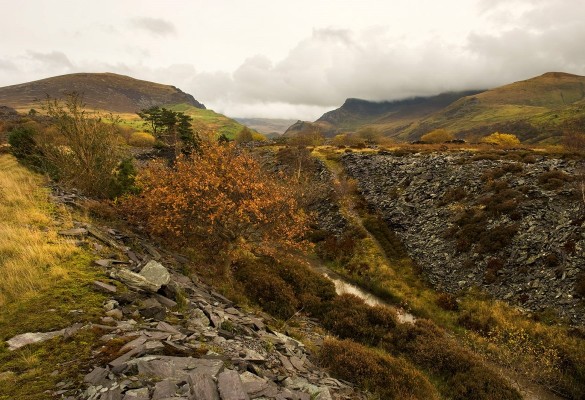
(535, 263)
(182, 340)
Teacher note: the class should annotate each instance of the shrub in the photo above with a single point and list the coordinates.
(141, 139)
(267, 289)
(453, 195)
(501, 139)
(282, 286)
(447, 302)
(437, 136)
(466, 376)
(349, 317)
(80, 149)
(386, 376)
(244, 136)
(552, 180)
(24, 147)
(216, 200)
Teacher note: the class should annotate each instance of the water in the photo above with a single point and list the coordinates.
(343, 287)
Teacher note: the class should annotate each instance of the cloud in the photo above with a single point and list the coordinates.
(154, 26)
(52, 60)
(7, 65)
(324, 69)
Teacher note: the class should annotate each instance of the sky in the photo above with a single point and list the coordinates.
(295, 59)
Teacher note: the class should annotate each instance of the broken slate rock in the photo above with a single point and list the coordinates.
(134, 280)
(76, 232)
(202, 387)
(154, 272)
(164, 389)
(21, 340)
(97, 377)
(104, 287)
(230, 386)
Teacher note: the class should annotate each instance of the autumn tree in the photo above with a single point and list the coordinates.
(217, 200)
(437, 136)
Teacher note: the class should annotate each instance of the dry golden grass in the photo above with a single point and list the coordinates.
(30, 248)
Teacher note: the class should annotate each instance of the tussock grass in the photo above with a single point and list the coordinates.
(30, 249)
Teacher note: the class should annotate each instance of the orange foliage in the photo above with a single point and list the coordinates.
(215, 199)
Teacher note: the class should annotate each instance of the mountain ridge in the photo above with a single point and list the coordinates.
(537, 110)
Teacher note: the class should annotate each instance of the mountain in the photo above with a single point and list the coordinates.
(390, 117)
(267, 126)
(101, 91)
(537, 110)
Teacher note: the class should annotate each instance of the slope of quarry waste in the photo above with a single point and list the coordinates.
(513, 227)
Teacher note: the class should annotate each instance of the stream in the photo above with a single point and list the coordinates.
(342, 286)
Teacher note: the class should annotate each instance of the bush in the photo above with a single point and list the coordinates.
(24, 147)
(466, 376)
(81, 150)
(447, 302)
(218, 199)
(267, 289)
(437, 136)
(349, 317)
(501, 139)
(386, 376)
(552, 180)
(141, 139)
(282, 287)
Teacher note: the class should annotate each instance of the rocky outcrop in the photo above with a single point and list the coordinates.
(513, 228)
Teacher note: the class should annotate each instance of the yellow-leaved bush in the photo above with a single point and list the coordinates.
(215, 199)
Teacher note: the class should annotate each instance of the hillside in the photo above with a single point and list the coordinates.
(101, 91)
(537, 110)
(534, 109)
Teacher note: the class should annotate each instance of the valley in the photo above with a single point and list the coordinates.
(202, 260)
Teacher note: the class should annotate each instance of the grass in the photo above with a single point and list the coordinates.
(46, 286)
(27, 235)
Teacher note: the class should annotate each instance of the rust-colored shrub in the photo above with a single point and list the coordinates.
(267, 289)
(447, 302)
(214, 200)
(386, 376)
(553, 180)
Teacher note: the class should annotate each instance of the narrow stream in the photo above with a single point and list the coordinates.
(342, 286)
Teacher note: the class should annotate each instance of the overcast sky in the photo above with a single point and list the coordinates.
(294, 59)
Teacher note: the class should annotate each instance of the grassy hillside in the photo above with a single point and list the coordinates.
(535, 110)
(105, 91)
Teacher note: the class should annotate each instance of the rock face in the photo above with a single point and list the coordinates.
(514, 228)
